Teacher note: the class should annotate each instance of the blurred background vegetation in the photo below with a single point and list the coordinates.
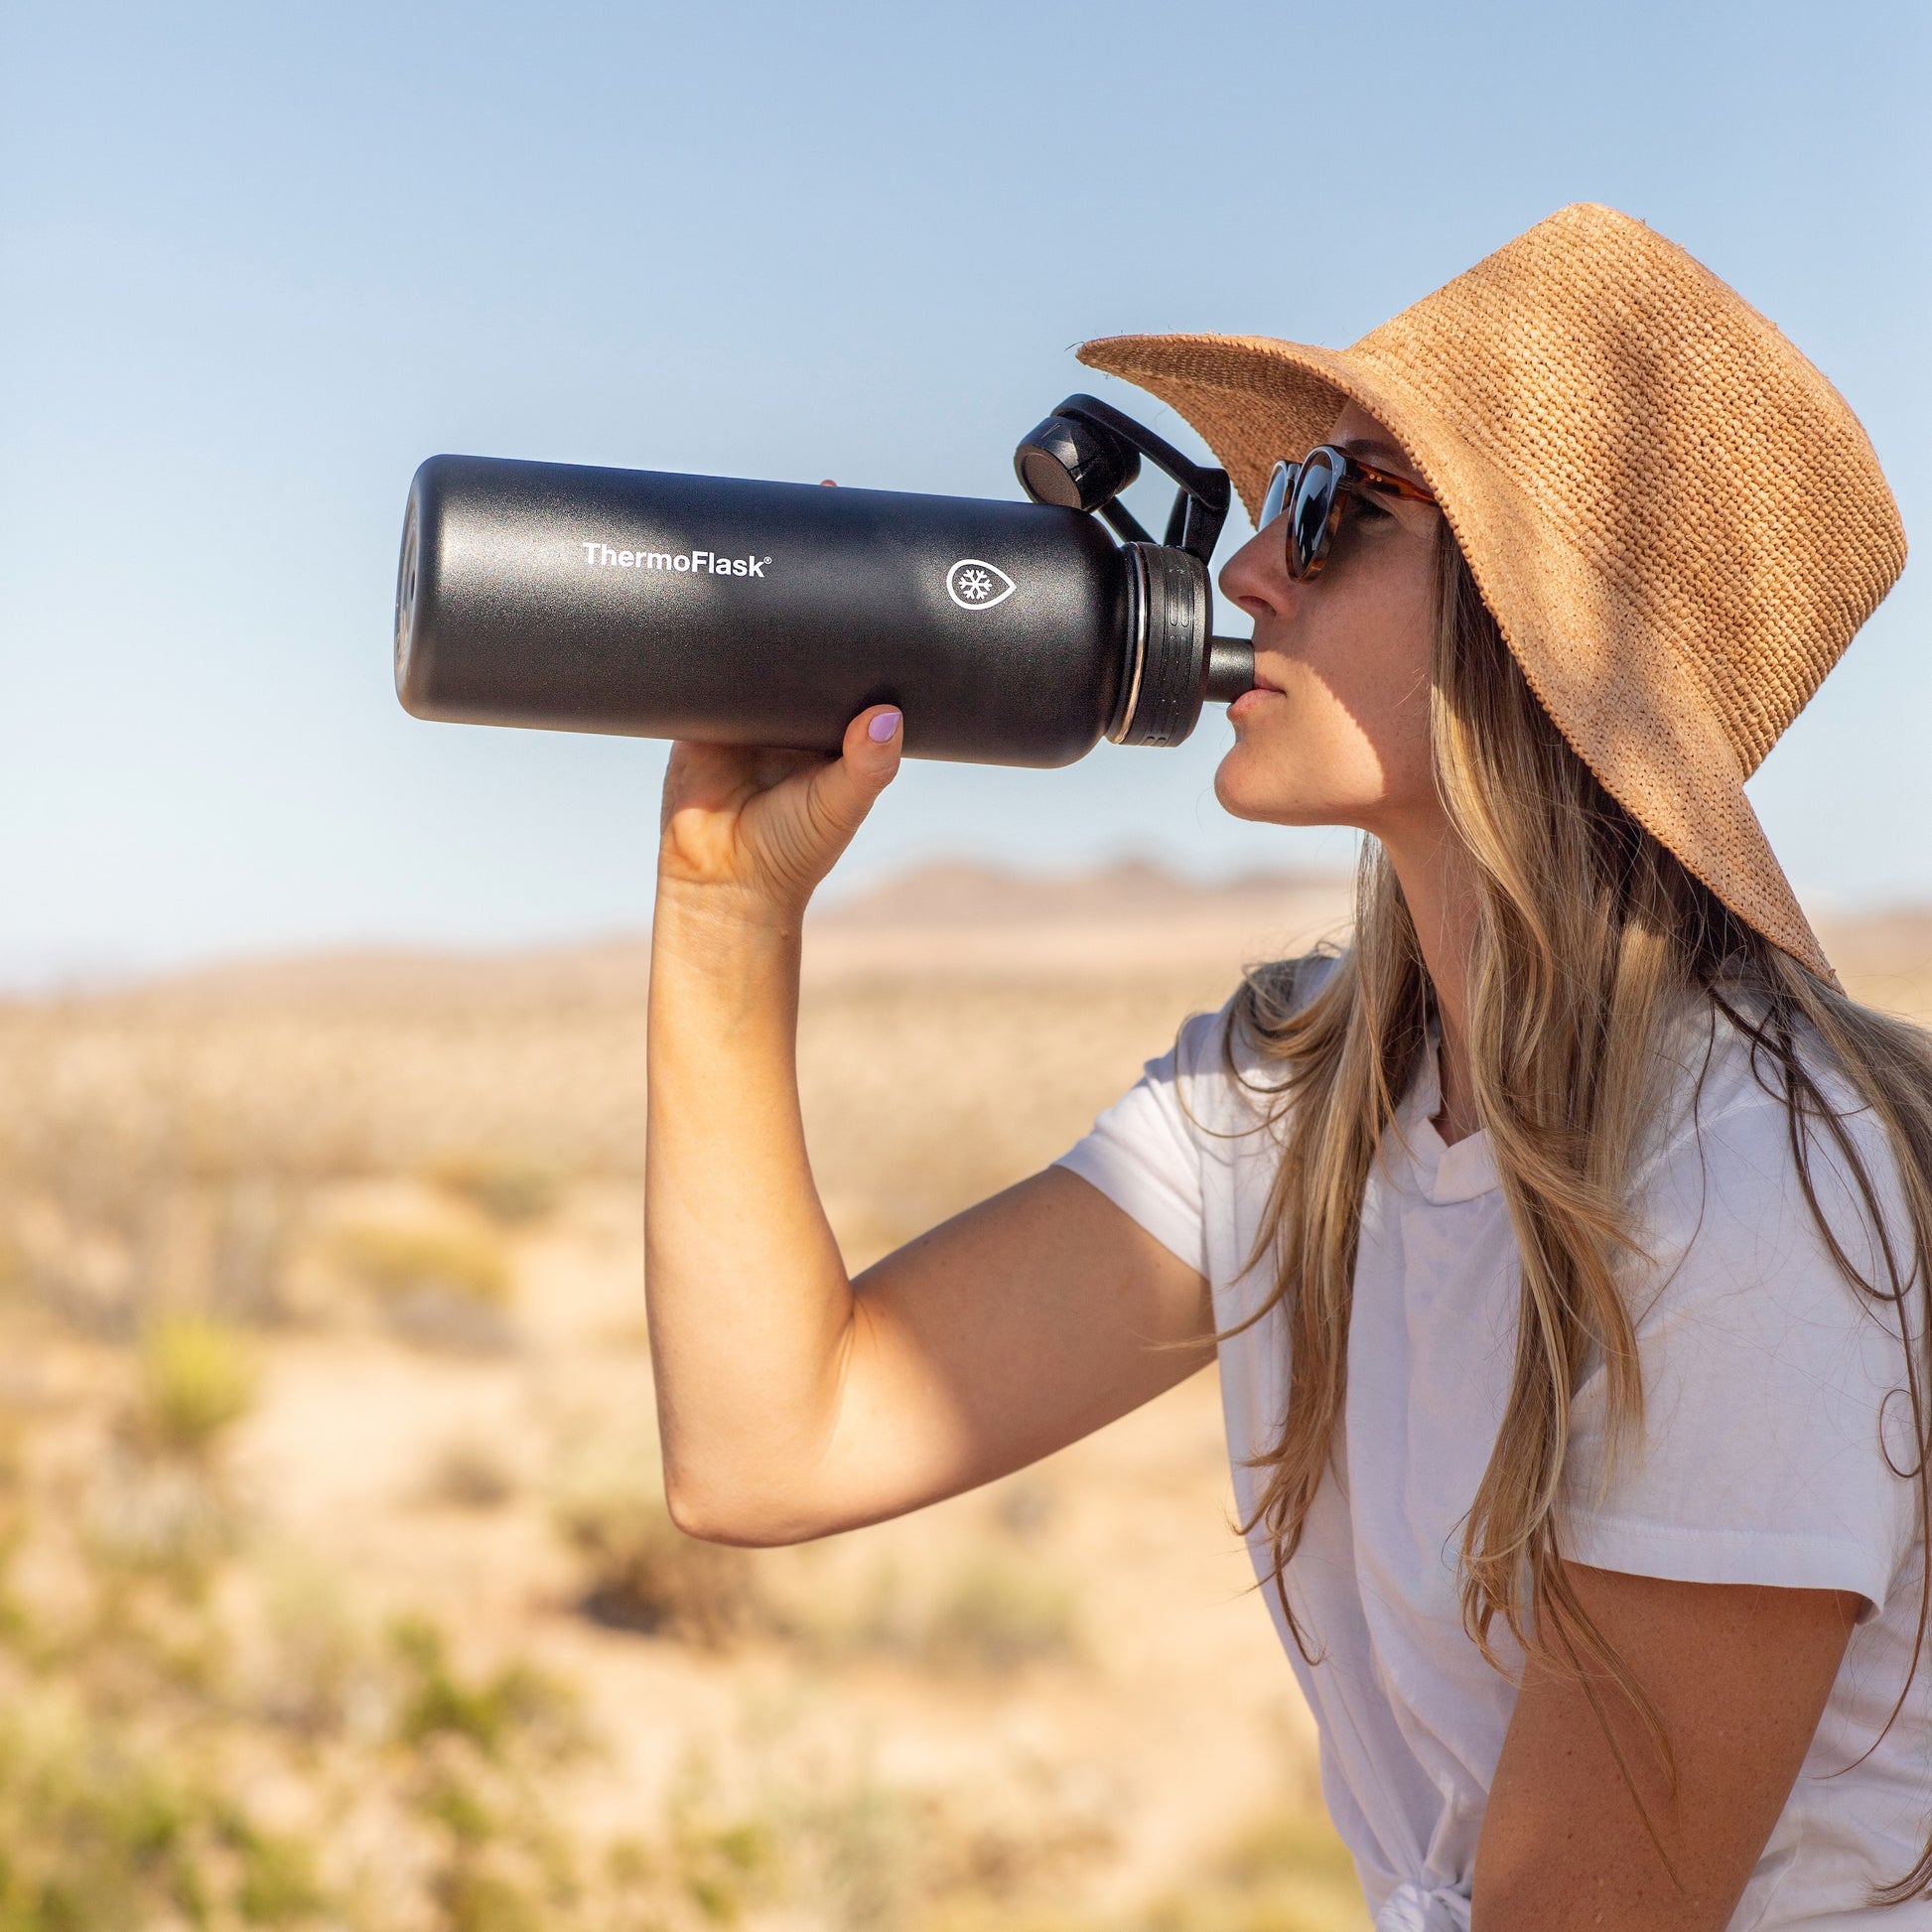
(336, 1587)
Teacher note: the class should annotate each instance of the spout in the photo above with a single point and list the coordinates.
(1230, 669)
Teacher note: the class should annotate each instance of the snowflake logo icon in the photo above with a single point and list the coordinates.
(975, 584)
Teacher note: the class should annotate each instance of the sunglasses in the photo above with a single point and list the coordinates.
(1316, 494)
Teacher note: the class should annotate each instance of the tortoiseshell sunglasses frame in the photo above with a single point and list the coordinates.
(1306, 554)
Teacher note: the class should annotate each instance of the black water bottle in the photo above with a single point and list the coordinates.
(734, 612)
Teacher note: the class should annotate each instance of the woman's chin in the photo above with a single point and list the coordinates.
(1242, 788)
(1245, 788)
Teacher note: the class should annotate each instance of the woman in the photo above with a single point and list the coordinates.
(1563, 1241)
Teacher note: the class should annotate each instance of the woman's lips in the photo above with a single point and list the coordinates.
(1263, 686)
(1256, 695)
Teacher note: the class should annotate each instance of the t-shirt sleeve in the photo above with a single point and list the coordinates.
(1775, 1416)
(1145, 1152)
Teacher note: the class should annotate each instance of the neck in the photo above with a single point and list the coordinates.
(1435, 869)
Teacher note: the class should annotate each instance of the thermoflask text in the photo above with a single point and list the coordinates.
(716, 609)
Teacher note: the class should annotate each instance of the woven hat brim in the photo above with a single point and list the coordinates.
(1627, 704)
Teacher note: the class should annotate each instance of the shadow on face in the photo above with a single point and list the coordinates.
(1336, 730)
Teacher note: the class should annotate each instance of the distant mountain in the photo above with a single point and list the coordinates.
(1133, 889)
(950, 920)
(1883, 955)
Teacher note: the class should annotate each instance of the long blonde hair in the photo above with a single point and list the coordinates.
(1590, 934)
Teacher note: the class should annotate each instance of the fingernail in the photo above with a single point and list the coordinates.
(882, 727)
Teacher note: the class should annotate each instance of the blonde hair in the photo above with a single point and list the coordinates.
(1589, 936)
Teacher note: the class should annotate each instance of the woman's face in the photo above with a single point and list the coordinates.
(1337, 731)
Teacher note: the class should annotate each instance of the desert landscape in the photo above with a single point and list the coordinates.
(335, 1585)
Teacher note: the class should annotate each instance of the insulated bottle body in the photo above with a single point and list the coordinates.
(737, 611)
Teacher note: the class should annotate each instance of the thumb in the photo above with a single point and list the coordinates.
(868, 762)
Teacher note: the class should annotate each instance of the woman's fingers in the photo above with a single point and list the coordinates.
(773, 820)
(720, 778)
(706, 790)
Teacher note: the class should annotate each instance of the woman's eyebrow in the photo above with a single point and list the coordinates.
(1372, 448)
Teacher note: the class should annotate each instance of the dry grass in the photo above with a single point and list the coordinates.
(396, 1259)
(162, 1150)
(978, 1610)
(642, 1572)
(440, 1287)
(510, 1191)
(1000, 1612)
(470, 1473)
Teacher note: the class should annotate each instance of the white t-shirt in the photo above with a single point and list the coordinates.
(1765, 1379)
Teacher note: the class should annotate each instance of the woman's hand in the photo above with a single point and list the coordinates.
(767, 826)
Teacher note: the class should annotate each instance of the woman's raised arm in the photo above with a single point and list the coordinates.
(793, 1401)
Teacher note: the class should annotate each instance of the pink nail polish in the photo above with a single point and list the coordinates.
(882, 727)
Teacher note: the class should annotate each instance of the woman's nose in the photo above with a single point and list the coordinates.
(1255, 575)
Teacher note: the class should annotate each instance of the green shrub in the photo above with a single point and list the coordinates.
(278, 1878)
(722, 1869)
(95, 1833)
(197, 1379)
(516, 1706)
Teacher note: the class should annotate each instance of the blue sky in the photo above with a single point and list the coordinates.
(256, 263)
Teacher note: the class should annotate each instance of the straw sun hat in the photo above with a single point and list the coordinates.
(1676, 520)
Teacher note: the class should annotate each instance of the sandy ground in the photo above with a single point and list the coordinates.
(1177, 1722)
